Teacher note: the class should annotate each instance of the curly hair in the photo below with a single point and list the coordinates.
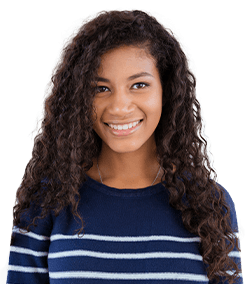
(64, 150)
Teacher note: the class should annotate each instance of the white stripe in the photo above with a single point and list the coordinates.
(235, 233)
(124, 239)
(235, 254)
(30, 234)
(124, 255)
(231, 272)
(128, 276)
(27, 251)
(27, 269)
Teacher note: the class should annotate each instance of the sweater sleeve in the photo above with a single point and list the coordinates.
(29, 252)
(235, 254)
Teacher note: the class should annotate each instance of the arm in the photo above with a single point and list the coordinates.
(29, 252)
(235, 254)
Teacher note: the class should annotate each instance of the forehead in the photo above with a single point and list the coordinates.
(126, 60)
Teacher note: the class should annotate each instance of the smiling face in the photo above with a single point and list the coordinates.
(128, 90)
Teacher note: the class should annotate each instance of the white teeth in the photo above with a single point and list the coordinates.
(124, 126)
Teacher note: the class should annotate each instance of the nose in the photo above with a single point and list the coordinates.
(121, 103)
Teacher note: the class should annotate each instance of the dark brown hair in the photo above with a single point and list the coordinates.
(64, 150)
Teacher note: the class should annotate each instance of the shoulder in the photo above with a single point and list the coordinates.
(227, 196)
(34, 216)
(230, 203)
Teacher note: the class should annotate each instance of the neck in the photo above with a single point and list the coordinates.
(144, 186)
(129, 168)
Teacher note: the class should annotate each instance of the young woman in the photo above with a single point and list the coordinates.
(119, 186)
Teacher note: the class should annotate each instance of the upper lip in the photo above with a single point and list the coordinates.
(121, 123)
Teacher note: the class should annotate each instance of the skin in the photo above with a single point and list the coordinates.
(127, 161)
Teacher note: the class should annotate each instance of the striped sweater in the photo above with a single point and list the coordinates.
(130, 236)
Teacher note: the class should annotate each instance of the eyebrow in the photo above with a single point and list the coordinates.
(135, 76)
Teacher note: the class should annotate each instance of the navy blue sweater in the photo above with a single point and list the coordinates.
(131, 236)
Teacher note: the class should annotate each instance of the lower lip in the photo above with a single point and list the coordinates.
(126, 131)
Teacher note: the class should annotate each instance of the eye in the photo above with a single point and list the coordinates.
(140, 85)
(101, 89)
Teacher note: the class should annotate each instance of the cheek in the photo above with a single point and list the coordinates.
(155, 110)
(154, 105)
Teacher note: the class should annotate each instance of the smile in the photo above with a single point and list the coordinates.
(126, 129)
(124, 126)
